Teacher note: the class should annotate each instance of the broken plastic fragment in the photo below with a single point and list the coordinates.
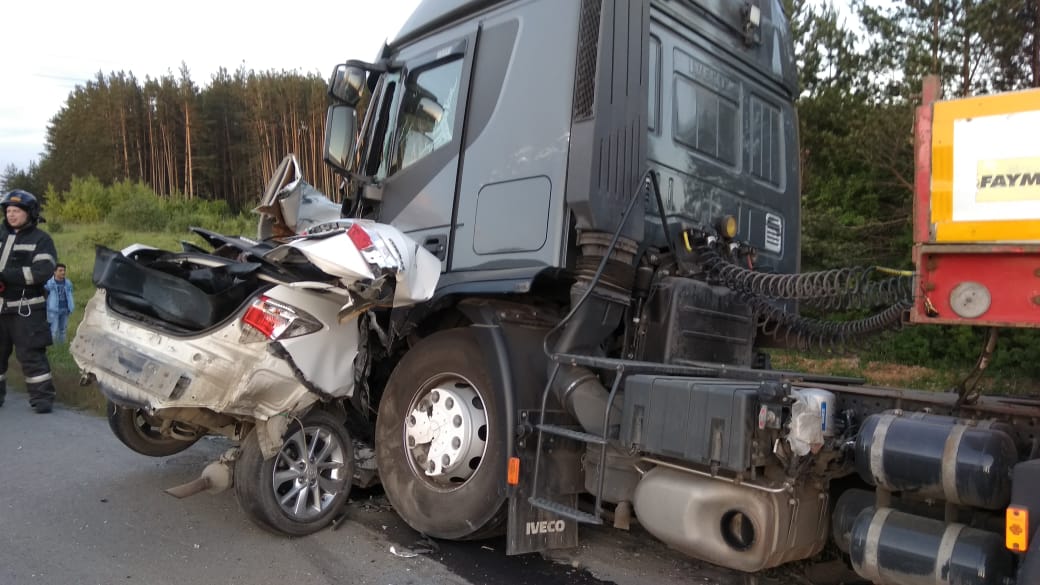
(403, 552)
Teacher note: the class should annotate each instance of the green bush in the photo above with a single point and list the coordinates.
(182, 214)
(85, 202)
(135, 206)
(99, 236)
(238, 225)
(79, 212)
(138, 211)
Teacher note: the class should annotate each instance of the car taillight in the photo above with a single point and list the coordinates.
(360, 237)
(277, 320)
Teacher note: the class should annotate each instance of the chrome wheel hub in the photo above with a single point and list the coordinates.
(446, 432)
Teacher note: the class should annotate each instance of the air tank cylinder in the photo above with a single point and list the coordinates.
(895, 548)
(937, 457)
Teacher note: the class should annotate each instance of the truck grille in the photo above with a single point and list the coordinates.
(588, 52)
(774, 233)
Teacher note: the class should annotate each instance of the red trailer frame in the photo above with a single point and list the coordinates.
(968, 272)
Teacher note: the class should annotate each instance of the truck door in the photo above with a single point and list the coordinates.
(421, 135)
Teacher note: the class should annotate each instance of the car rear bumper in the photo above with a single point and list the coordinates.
(220, 369)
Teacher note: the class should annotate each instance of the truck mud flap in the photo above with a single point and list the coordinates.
(532, 529)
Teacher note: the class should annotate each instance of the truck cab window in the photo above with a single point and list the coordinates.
(427, 116)
(379, 117)
(706, 120)
(654, 98)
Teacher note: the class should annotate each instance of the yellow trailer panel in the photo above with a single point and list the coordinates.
(985, 183)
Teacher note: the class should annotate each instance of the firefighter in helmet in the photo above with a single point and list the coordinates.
(27, 260)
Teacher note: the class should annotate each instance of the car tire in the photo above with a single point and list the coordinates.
(304, 487)
(440, 440)
(139, 431)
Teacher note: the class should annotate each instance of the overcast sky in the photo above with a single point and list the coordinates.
(47, 47)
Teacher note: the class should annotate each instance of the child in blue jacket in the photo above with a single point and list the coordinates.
(59, 303)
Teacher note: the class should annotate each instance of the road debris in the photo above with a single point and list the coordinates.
(402, 552)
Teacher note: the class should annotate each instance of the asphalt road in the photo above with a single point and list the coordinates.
(76, 506)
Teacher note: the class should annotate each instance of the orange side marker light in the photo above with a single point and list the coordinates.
(1016, 532)
(513, 471)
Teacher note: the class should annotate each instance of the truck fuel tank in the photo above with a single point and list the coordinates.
(896, 548)
(937, 457)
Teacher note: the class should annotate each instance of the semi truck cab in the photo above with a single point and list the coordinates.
(497, 131)
(612, 190)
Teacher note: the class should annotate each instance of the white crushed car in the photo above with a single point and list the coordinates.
(255, 340)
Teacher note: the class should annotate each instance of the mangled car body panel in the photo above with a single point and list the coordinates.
(228, 369)
(356, 250)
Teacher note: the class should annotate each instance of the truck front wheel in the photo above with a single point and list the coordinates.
(440, 443)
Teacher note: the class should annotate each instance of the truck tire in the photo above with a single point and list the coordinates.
(304, 487)
(139, 431)
(440, 440)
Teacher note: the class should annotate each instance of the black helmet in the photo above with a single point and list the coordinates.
(23, 200)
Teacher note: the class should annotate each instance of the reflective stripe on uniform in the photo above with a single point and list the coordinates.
(8, 245)
(25, 247)
(25, 302)
(27, 273)
(3, 377)
(40, 257)
(37, 379)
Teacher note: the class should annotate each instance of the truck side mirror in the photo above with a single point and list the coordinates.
(340, 132)
(346, 84)
(431, 109)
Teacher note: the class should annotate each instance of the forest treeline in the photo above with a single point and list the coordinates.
(218, 142)
(861, 70)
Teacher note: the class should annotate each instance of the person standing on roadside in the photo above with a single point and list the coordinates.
(59, 303)
(27, 260)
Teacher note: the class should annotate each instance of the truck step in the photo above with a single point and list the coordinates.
(572, 434)
(565, 511)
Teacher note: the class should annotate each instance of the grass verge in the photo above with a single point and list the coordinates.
(895, 375)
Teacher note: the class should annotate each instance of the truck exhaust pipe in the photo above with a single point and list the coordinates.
(585, 398)
(600, 298)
